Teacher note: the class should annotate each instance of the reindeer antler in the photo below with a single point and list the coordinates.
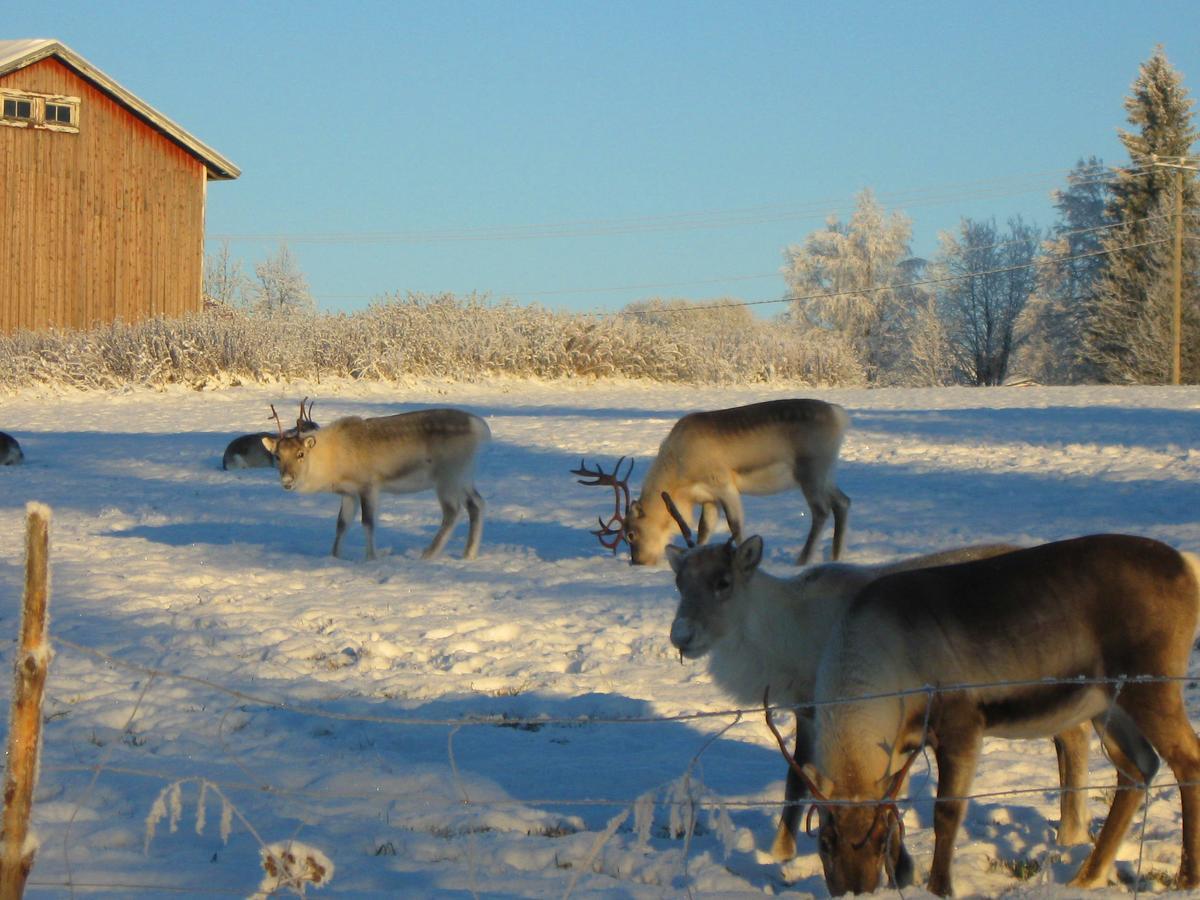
(790, 757)
(305, 417)
(620, 488)
(679, 520)
(278, 424)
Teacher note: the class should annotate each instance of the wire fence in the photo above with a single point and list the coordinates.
(685, 798)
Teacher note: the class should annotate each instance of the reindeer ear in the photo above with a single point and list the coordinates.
(636, 510)
(309, 442)
(270, 443)
(675, 555)
(747, 556)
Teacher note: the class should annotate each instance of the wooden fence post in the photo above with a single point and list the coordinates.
(25, 725)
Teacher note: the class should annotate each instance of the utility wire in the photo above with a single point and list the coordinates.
(927, 282)
(681, 221)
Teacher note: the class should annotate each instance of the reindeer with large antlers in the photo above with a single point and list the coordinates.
(401, 454)
(713, 458)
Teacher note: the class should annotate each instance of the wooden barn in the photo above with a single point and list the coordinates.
(101, 197)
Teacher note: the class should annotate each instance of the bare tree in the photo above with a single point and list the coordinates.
(224, 280)
(994, 277)
(281, 285)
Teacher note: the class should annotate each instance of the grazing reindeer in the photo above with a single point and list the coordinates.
(10, 450)
(764, 633)
(1098, 628)
(712, 458)
(248, 451)
(400, 454)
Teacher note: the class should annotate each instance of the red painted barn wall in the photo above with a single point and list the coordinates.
(97, 226)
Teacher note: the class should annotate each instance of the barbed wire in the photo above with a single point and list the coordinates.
(689, 801)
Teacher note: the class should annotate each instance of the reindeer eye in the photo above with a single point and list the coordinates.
(723, 583)
(299, 454)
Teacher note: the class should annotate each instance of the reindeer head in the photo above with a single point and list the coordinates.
(291, 448)
(861, 831)
(858, 843)
(709, 580)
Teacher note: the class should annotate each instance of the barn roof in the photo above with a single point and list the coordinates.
(18, 54)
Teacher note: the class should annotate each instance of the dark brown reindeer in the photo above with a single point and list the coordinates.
(1095, 629)
(713, 458)
(760, 632)
(10, 450)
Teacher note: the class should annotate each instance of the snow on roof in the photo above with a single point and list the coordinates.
(17, 54)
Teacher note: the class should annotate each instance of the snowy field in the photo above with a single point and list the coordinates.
(517, 725)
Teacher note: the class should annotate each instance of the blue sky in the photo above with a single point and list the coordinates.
(583, 155)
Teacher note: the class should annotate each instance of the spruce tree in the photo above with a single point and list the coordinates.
(1127, 334)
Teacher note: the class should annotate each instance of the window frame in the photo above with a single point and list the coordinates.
(38, 103)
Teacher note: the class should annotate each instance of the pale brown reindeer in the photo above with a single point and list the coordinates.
(248, 451)
(759, 632)
(1096, 629)
(358, 458)
(713, 458)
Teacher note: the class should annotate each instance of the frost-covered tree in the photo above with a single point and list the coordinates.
(224, 279)
(720, 314)
(281, 286)
(1124, 336)
(843, 276)
(1053, 322)
(993, 276)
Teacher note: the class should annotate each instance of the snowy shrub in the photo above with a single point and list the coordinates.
(415, 335)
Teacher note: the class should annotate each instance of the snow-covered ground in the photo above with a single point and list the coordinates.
(517, 725)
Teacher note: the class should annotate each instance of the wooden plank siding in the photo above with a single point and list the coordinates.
(101, 225)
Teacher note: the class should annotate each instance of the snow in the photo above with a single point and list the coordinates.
(516, 725)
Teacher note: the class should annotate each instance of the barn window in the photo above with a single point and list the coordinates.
(51, 112)
(17, 108)
(59, 113)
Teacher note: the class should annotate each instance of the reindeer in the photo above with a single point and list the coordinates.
(712, 458)
(248, 451)
(1026, 644)
(764, 633)
(10, 450)
(401, 454)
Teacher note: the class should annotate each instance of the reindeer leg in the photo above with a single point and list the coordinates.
(370, 502)
(794, 791)
(708, 521)
(450, 506)
(1161, 715)
(1136, 765)
(841, 513)
(345, 514)
(475, 507)
(820, 515)
(731, 503)
(957, 755)
(1071, 746)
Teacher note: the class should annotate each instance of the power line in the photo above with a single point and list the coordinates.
(679, 221)
(928, 282)
(727, 279)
